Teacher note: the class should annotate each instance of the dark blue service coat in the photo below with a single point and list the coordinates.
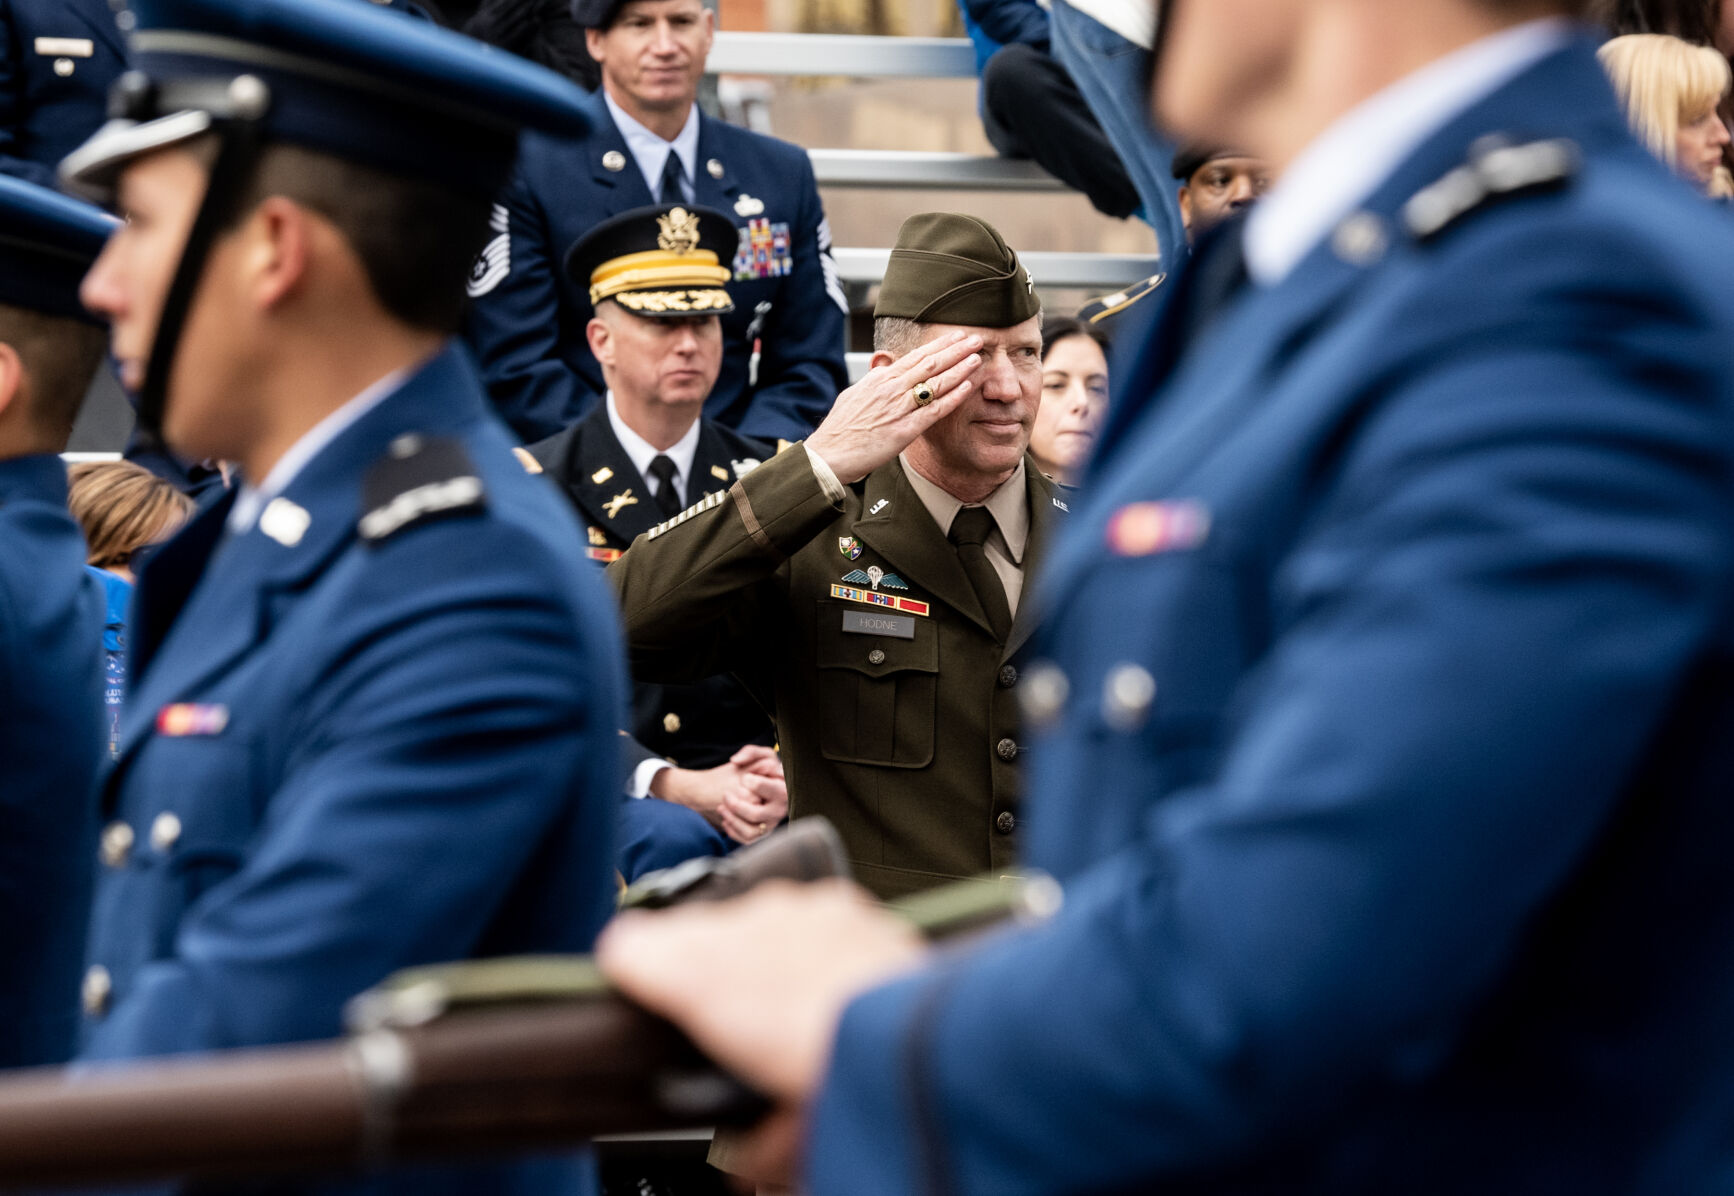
(1390, 733)
(51, 749)
(341, 757)
(57, 58)
(527, 319)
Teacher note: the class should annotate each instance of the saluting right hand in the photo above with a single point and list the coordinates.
(878, 417)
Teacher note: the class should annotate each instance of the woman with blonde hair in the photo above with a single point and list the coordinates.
(1671, 90)
(122, 509)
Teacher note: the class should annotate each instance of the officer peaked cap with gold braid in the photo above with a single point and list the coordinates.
(663, 262)
(949, 268)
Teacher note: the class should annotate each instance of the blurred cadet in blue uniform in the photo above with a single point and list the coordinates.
(51, 744)
(703, 774)
(1389, 712)
(649, 143)
(57, 59)
(375, 689)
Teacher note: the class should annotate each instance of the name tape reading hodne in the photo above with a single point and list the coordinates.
(860, 622)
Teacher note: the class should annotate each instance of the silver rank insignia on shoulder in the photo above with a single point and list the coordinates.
(285, 522)
(746, 205)
(619, 503)
(714, 169)
(1495, 169)
(614, 160)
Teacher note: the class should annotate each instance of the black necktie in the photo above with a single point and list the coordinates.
(673, 188)
(667, 497)
(969, 531)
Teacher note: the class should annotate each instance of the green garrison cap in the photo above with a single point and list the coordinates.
(949, 268)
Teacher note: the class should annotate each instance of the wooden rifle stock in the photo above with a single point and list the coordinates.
(472, 1059)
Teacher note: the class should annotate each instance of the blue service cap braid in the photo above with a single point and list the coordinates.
(47, 244)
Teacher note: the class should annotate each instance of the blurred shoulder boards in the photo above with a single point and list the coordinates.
(419, 479)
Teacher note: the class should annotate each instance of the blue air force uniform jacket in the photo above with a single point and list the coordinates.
(527, 318)
(1389, 728)
(57, 58)
(376, 730)
(51, 749)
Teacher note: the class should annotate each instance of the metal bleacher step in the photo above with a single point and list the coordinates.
(851, 55)
(1084, 271)
(925, 169)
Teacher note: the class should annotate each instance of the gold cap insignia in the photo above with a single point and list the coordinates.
(679, 231)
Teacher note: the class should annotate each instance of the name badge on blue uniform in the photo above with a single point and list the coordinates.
(184, 719)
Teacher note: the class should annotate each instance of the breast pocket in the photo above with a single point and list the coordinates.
(878, 694)
(192, 805)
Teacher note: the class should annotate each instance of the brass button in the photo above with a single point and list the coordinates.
(1008, 676)
(117, 840)
(165, 830)
(1007, 749)
(98, 988)
(876, 657)
(1043, 695)
(671, 722)
(1006, 823)
(1127, 696)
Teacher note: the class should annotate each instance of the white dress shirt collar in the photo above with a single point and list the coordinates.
(250, 499)
(642, 452)
(651, 151)
(1346, 164)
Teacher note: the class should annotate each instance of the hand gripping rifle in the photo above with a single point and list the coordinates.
(471, 1059)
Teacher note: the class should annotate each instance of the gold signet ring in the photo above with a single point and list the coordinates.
(923, 395)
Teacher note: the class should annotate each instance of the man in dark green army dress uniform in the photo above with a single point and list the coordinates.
(865, 587)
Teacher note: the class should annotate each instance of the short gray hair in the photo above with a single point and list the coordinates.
(898, 335)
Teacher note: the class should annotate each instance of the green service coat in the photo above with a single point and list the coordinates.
(895, 707)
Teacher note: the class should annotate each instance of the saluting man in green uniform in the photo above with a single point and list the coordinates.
(866, 587)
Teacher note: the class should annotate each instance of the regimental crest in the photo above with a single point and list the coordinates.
(679, 231)
(874, 576)
(598, 539)
(850, 547)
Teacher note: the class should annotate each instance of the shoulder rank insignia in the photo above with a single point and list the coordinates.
(417, 480)
(850, 547)
(1494, 171)
(874, 576)
(619, 503)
